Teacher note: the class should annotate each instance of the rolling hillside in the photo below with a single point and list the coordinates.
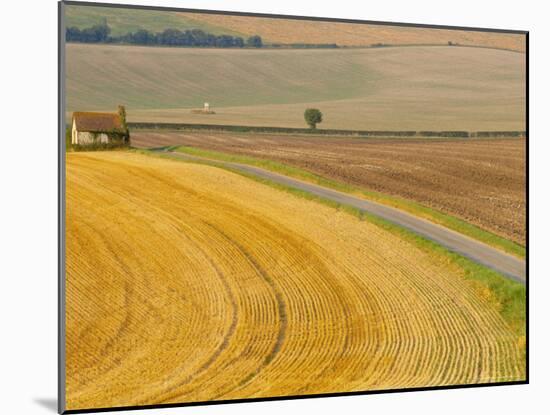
(209, 292)
(122, 20)
(431, 88)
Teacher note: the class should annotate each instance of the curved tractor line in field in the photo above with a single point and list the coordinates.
(190, 283)
(477, 251)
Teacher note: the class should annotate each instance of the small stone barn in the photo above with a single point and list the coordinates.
(99, 128)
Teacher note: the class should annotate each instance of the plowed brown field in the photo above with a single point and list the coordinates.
(190, 283)
(480, 181)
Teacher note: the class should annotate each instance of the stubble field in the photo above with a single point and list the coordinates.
(189, 283)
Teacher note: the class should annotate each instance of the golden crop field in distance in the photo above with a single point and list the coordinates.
(352, 34)
(186, 282)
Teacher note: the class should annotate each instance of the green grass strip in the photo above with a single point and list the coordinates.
(448, 221)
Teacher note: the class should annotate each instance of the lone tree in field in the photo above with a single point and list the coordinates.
(313, 117)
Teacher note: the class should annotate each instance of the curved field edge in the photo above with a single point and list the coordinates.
(449, 221)
(506, 296)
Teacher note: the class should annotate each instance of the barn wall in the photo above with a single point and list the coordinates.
(90, 138)
(74, 134)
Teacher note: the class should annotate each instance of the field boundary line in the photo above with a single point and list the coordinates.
(323, 132)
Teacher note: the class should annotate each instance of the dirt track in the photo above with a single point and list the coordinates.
(480, 181)
(477, 251)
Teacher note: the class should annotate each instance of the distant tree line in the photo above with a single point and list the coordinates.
(170, 37)
(94, 34)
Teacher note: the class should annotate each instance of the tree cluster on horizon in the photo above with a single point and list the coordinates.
(169, 37)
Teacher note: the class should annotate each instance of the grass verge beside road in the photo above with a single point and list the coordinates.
(443, 219)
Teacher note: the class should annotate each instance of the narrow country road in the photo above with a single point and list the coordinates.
(477, 251)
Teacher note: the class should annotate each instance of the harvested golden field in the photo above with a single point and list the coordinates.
(188, 283)
(482, 181)
(353, 34)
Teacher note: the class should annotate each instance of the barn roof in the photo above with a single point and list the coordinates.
(97, 121)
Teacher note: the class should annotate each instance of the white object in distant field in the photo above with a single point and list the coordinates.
(206, 107)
